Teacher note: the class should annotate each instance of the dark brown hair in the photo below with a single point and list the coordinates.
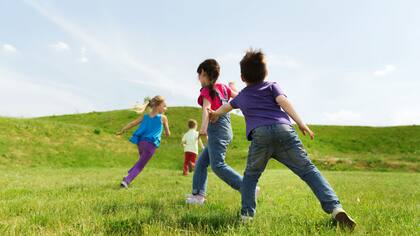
(253, 66)
(212, 69)
(192, 123)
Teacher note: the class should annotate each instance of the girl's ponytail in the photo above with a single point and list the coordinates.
(148, 102)
(212, 91)
(139, 109)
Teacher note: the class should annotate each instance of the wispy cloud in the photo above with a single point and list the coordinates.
(60, 46)
(8, 48)
(406, 115)
(122, 60)
(83, 58)
(274, 60)
(343, 117)
(387, 70)
(28, 98)
(282, 60)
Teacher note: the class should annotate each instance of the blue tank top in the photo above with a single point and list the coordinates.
(150, 130)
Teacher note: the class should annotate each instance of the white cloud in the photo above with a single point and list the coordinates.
(273, 60)
(230, 58)
(119, 58)
(23, 98)
(405, 116)
(8, 48)
(387, 70)
(282, 61)
(343, 117)
(60, 46)
(83, 58)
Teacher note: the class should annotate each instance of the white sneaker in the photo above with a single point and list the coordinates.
(246, 219)
(195, 199)
(343, 219)
(123, 184)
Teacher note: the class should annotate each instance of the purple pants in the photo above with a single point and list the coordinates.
(146, 151)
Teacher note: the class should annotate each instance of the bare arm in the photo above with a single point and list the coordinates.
(205, 117)
(166, 126)
(214, 115)
(183, 142)
(288, 108)
(200, 142)
(130, 125)
(233, 91)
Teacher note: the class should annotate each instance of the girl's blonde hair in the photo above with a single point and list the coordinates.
(149, 103)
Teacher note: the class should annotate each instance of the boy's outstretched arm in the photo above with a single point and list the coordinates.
(166, 126)
(214, 115)
(233, 91)
(288, 108)
(130, 125)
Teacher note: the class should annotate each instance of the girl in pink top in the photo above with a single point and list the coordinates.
(213, 95)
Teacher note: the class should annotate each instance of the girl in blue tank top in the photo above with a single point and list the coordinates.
(147, 136)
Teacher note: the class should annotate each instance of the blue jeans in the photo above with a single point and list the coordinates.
(281, 142)
(214, 154)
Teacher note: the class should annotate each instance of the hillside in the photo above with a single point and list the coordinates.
(88, 140)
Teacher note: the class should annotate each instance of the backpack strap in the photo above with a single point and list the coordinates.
(225, 93)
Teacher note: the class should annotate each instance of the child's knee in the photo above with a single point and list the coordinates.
(216, 166)
(253, 173)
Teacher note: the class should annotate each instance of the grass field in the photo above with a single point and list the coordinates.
(87, 201)
(59, 175)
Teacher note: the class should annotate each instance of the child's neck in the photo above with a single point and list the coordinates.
(153, 113)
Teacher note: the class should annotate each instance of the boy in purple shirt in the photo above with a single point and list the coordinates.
(268, 127)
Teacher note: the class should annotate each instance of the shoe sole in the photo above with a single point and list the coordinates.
(195, 203)
(344, 220)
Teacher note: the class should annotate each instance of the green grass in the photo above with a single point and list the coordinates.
(59, 175)
(87, 201)
(84, 140)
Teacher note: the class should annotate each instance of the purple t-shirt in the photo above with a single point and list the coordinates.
(258, 104)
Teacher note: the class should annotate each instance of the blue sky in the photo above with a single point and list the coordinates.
(339, 62)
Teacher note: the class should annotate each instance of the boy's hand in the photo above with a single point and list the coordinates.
(203, 132)
(232, 86)
(305, 129)
(213, 116)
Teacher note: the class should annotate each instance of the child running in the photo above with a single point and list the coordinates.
(213, 95)
(148, 134)
(190, 142)
(268, 127)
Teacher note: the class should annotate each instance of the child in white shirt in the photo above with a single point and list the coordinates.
(190, 141)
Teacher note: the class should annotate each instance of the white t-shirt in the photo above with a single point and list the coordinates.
(190, 141)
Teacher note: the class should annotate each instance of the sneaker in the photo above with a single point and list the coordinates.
(343, 219)
(195, 199)
(123, 184)
(246, 219)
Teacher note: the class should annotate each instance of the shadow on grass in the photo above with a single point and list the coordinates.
(327, 225)
(214, 220)
(138, 215)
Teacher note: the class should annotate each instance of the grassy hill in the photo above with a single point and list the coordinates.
(59, 175)
(84, 140)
